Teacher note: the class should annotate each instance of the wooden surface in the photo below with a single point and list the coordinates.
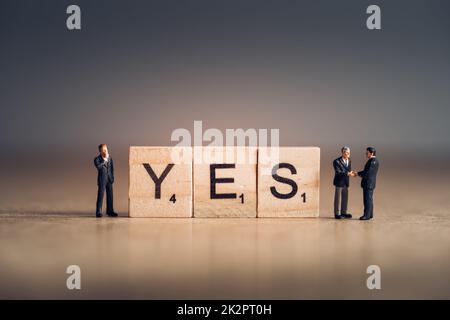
(44, 228)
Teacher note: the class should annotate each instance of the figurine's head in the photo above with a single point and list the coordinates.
(345, 152)
(103, 149)
(370, 152)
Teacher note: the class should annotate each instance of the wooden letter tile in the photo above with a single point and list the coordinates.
(288, 182)
(160, 182)
(225, 181)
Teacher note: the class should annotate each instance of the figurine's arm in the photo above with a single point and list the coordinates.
(112, 168)
(99, 163)
(368, 168)
(339, 169)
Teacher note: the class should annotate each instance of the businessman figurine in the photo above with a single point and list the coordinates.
(368, 182)
(104, 164)
(342, 171)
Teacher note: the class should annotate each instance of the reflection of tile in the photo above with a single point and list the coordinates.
(225, 181)
(294, 192)
(160, 182)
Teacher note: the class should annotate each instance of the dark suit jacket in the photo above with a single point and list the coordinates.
(341, 179)
(369, 174)
(105, 170)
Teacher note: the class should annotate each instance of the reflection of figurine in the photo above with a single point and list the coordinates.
(342, 171)
(105, 180)
(368, 182)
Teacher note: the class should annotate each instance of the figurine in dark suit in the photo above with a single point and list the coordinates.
(368, 182)
(342, 173)
(105, 179)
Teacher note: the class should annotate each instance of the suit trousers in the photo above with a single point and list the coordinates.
(340, 200)
(368, 202)
(109, 198)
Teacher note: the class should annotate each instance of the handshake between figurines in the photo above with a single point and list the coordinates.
(352, 173)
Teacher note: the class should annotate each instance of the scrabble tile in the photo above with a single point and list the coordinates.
(288, 182)
(160, 182)
(225, 181)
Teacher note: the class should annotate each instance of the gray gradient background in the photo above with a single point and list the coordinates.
(139, 69)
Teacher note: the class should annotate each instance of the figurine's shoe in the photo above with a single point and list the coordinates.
(112, 214)
(338, 216)
(346, 215)
(364, 218)
(98, 215)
